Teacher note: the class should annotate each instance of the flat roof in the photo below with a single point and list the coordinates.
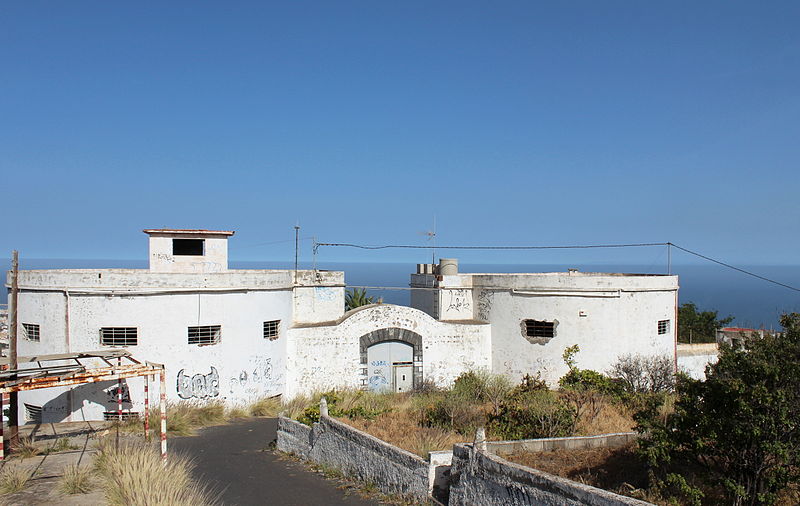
(187, 231)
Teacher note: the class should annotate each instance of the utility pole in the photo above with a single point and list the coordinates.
(296, 249)
(13, 404)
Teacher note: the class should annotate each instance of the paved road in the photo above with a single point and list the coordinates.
(235, 459)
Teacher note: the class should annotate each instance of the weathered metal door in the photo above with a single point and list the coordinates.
(403, 377)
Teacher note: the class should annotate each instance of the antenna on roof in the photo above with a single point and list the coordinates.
(432, 237)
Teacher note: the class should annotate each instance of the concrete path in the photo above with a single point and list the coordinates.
(236, 460)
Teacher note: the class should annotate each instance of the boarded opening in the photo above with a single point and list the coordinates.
(193, 247)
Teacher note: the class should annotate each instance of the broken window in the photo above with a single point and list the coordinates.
(119, 336)
(538, 331)
(537, 328)
(194, 247)
(663, 326)
(30, 331)
(208, 334)
(271, 329)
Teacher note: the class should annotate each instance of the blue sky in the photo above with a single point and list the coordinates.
(511, 122)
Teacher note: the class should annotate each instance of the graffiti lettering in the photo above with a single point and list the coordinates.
(199, 386)
(458, 301)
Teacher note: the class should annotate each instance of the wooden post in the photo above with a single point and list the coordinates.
(13, 406)
(163, 406)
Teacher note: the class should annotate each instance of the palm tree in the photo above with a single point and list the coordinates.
(357, 297)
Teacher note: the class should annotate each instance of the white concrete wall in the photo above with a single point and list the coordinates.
(607, 315)
(214, 258)
(693, 358)
(322, 357)
(243, 366)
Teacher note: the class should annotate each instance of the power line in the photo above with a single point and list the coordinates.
(577, 246)
(409, 246)
(734, 268)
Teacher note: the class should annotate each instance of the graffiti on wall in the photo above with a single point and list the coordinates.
(199, 386)
(484, 304)
(258, 378)
(458, 301)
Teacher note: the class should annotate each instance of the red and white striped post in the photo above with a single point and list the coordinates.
(163, 406)
(147, 408)
(119, 399)
(119, 389)
(2, 439)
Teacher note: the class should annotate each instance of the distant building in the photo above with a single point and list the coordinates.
(238, 335)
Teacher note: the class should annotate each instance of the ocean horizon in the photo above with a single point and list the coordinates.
(752, 302)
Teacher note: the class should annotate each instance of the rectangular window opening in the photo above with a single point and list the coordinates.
(30, 331)
(119, 336)
(110, 416)
(208, 334)
(537, 328)
(33, 413)
(192, 247)
(271, 329)
(663, 326)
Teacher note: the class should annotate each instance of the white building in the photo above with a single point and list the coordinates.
(237, 335)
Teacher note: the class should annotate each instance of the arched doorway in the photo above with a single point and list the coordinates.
(390, 367)
(391, 359)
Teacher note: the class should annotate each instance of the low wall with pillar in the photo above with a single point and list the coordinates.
(479, 477)
(357, 454)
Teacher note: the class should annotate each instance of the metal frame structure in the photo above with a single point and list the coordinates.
(68, 370)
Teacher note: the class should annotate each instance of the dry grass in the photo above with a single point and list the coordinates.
(237, 412)
(26, 447)
(134, 475)
(14, 477)
(269, 406)
(404, 432)
(76, 480)
(611, 417)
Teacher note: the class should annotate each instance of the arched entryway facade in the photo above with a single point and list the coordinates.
(388, 335)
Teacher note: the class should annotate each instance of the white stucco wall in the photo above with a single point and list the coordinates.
(243, 366)
(213, 259)
(693, 358)
(322, 357)
(607, 315)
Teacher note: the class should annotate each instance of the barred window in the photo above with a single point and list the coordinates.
(537, 328)
(110, 416)
(33, 413)
(271, 329)
(663, 326)
(208, 334)
(119, 336)
(30, 331)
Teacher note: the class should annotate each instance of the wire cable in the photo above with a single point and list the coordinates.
(577, 246)
(734, 268)
(409, 246)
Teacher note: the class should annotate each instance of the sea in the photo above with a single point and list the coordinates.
(753, 302)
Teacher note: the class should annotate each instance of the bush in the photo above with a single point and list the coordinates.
(638, 374)
(347, 404)
(455, 410)
(529, 415)
(739, 427)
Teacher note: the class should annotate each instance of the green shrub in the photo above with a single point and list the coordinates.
(455, 410)
(362, 405)
(530, 415)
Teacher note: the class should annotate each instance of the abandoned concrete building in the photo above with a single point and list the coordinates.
(237, 335)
